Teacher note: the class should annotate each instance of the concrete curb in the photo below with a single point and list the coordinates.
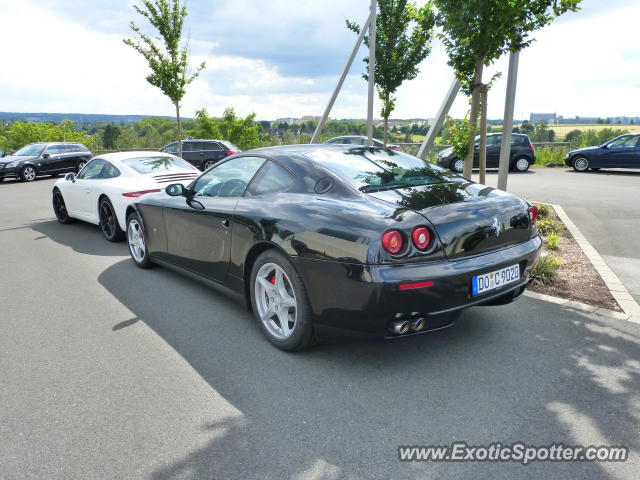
(583, 307)
(618, 291)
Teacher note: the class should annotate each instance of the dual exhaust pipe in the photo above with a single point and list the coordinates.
(402, 327)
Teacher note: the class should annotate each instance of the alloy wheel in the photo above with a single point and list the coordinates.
(135, 237)
(29, 174)
(522, 164)
(208, 164)
(581, 164)
(81, 165)
(276, 301)
(107, 219)
(60, 207)
(458, 166)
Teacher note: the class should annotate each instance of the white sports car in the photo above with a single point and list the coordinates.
(108, 184)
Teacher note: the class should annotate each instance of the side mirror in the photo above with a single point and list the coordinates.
(175, 190)
(45, 155)
(70, 177)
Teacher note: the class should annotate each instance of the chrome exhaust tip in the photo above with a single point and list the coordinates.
(400, 327)
(417, 324)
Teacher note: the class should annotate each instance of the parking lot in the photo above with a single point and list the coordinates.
(111, 371)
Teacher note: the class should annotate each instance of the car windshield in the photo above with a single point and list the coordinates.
(145, 165)
(31, 150)
(377, 169)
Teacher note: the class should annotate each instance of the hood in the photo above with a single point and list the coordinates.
(586, 149)
(469, 218)
(13, 158)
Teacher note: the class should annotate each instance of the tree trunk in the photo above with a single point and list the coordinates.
(177, 104)
(473, 116)
(483, 134)
(386, 130)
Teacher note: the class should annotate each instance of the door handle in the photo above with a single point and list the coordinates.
(226, 223)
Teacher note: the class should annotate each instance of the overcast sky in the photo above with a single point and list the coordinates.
(282, 58)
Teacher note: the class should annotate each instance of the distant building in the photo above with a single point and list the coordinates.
(543, 117)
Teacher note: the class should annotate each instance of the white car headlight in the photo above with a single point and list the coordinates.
(12, 164)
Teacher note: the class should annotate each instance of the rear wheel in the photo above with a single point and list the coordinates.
(521, 164)
(580, 164)
(81, 164)
(457, 165)
(108, 221)
(137, 242)
(28, 173)
(60, 208)
(280, 303)
(208, 164)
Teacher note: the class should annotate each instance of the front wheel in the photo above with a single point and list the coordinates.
(108, 221)
(280, 303)
(60, 208)
(521, 164)
(28, 173)
(580, 164)
(137, 241)
(457, 165)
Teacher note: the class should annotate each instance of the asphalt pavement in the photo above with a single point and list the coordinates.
(110, 371)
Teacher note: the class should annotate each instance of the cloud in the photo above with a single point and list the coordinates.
(282, 58)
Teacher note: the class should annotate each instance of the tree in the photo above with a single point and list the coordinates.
(403, 40)
(110, 135)
(477, 32)
(243, 132)
(167, 58)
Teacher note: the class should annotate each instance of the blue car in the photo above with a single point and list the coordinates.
(621, 152)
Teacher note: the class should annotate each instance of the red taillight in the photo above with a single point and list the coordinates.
(395, 148)
(140, 193)
(411, 286)
(421, 237)
(533, 214)
(392, 241)
(533, 149)
(231, 153)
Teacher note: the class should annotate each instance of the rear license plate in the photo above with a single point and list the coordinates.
(496, 279)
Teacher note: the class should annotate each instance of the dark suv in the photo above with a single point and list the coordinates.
(522, 154)
(44, 159)
(202, 153)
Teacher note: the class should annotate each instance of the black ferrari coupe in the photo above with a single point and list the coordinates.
(323, 240)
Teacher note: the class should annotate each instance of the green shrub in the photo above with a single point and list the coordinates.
(543, 210)
(553, 241)
(546, 270)
(547, 226)
(550, 155)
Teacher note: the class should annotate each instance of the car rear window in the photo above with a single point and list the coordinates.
(377, 169)
(145, 165)
(230, 146)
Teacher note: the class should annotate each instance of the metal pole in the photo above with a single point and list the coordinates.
(430, 137)
(483, 134)
(347, 67)
(372, 72)
(507, 121)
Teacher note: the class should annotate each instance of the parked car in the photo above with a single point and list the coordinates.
(360, 140)
(202, 153)
(621, 152)
(38, 159)
(108, 184)
(322, 239)
(521, 158)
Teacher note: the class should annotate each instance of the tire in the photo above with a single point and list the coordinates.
(580, 164)
(207, 164)
(521, 164)
(137, 241)
(274, 279)
(457, 165)
(60, 208)
(1, 179)
(28, 173)
(109, 221)
(81, 164)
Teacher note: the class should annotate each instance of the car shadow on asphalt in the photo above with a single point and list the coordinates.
(81, 237)
(609, 172)
(531, 372)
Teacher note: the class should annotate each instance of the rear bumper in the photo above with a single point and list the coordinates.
(364, 299)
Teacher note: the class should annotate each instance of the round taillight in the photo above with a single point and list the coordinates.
(392, 241)
(421, 237)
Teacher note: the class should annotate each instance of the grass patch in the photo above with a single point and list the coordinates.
(546, 270)
(547, 226)
(553, 241)
(547, 155)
